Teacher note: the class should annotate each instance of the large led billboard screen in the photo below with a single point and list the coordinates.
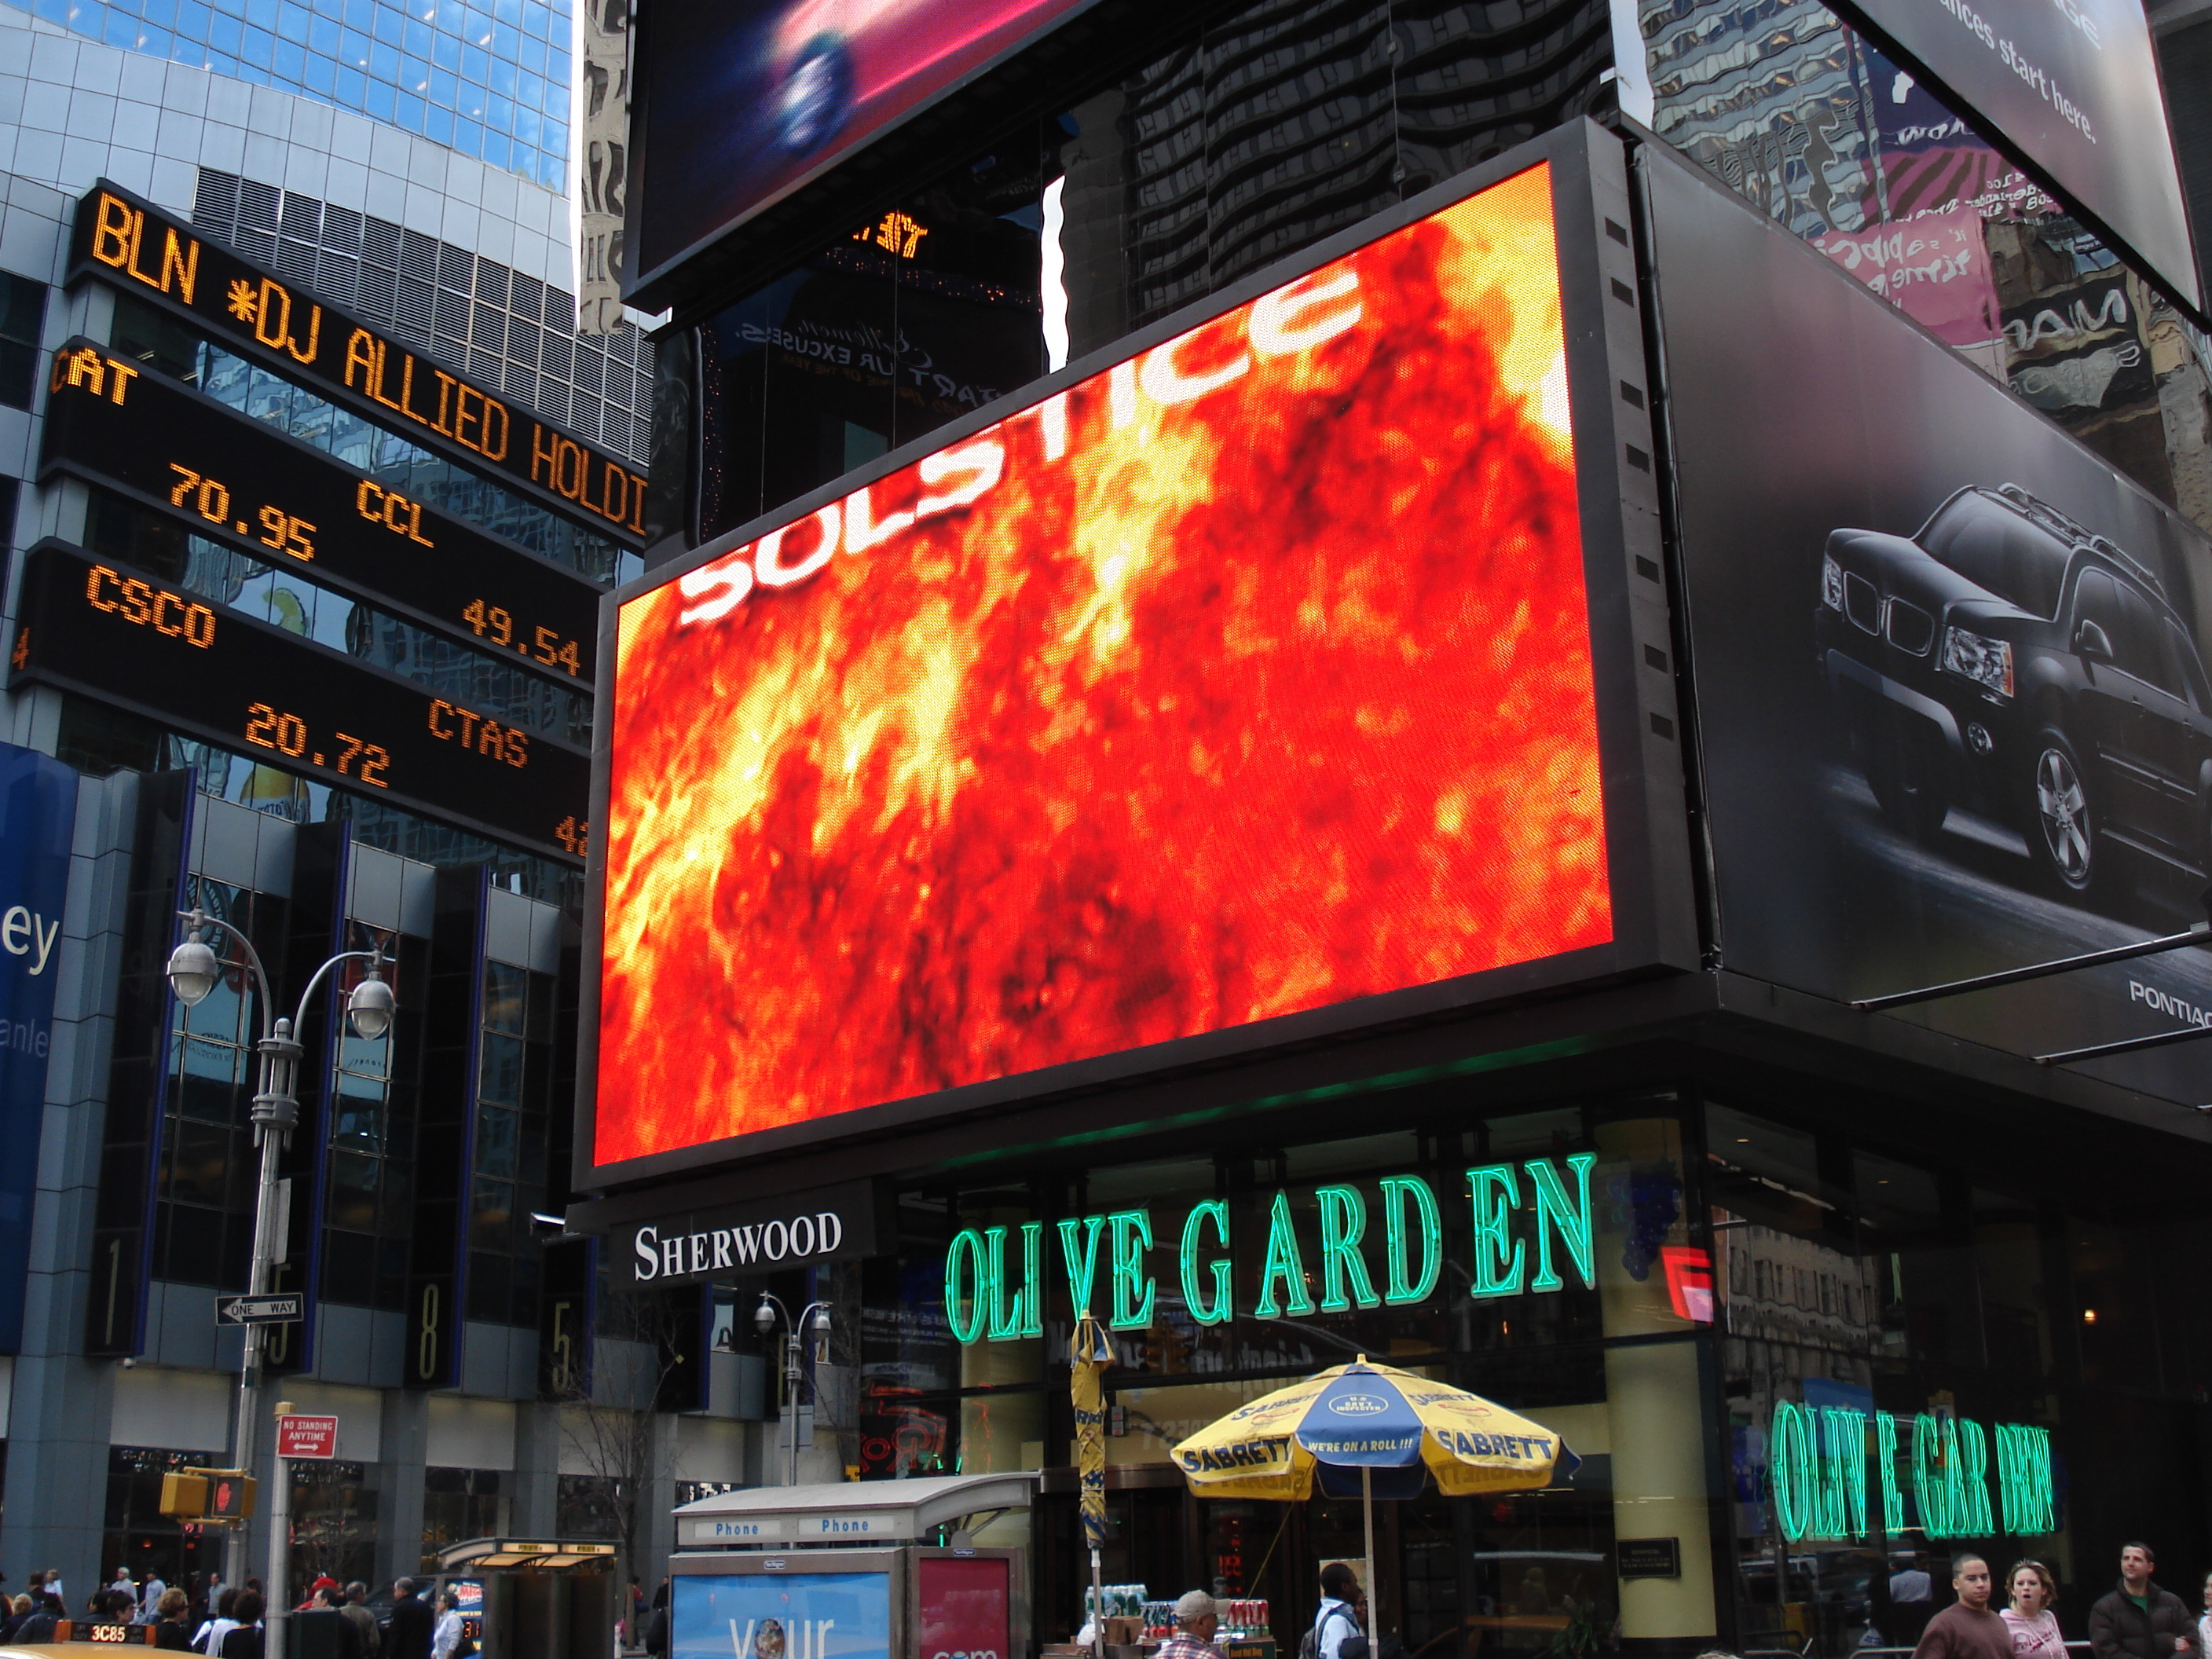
(1952, 695)
(1249, 676)
(746, 99)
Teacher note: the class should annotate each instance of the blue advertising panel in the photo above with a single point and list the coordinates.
(38, 816)
(799, 1615)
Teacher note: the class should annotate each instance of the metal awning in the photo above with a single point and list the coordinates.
(848, 1512)
(497, 1552)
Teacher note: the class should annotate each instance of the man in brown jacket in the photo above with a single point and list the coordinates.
(1967, 1629)
(2139, 1620)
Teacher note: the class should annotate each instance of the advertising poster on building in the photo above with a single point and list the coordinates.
(744, 100)
(38, 816)
(793, 1615)
(1952, 701)
(1250, 676)
(2074, 85)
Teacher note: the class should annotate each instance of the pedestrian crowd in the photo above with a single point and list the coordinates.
(2135, 1619)
(219, 1621)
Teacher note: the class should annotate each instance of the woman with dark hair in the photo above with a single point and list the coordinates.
(2031, 1588)
(208, 1638)
(244, 1641)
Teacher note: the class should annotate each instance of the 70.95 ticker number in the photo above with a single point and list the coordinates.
(211, 499)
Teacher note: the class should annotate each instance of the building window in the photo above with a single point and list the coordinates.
(458, 1504)
(22, 316)
(514, 1097)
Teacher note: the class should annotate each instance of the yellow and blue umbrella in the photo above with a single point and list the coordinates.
(1368, 1431)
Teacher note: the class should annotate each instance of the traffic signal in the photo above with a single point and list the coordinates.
(230, 1495)
(185, 1494)
(208, 1495)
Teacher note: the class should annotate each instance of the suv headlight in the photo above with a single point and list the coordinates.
(1976, 656)
(1831, 582)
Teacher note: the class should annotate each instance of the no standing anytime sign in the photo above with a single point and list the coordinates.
(307, 1436)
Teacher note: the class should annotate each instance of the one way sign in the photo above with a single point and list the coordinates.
(256, 1310)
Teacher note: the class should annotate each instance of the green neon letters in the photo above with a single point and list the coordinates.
(964, 1286)
(1817, 1477)
(1284, 1266)
(1396, 1189)
(1500, 1266)
(1217, 1309)
(995, 1277)
(1343, 1220)
(1133, 1237)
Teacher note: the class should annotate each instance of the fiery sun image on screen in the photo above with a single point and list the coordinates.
(1248, 677)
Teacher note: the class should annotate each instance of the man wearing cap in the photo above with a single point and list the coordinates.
(1195, 1623)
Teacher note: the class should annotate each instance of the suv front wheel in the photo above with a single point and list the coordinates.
(2062, 835)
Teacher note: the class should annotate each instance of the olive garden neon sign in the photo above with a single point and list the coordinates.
(994, 1276)
(1817, 1474)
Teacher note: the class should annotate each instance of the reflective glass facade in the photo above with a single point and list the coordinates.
(489, 81)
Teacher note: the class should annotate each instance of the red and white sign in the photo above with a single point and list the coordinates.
(307, 1436)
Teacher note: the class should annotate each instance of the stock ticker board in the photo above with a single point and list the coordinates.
(122, 636)
(123, 239)
(233, 479)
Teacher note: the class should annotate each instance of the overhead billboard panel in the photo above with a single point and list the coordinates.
(2073, 85)
(1282, 667)
(1952, 699)
(746, 98)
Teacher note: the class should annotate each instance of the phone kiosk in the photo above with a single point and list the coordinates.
(869, 1570)
(534, 1598)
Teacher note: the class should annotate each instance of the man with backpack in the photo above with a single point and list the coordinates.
(1338, 1621)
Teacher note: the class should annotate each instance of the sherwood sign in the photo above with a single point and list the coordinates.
(995, 1277)
(797, 1231)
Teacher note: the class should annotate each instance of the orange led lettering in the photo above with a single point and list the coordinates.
(361, 353)
(494, 448)
(568, 482)
(99, 573)
(517, 752)
(439, 705)
(541, 451)
(613, 478)
(384, 374)
(115, 231)
(184, 263)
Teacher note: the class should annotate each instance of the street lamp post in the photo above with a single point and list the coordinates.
(194, 970)
(815, 1321)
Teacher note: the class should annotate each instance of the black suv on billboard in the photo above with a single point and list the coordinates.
(2007, 658)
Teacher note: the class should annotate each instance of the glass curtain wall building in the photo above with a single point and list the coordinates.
(490, 81)
(409, 166)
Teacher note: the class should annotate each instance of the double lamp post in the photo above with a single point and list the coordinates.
(194, 971)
